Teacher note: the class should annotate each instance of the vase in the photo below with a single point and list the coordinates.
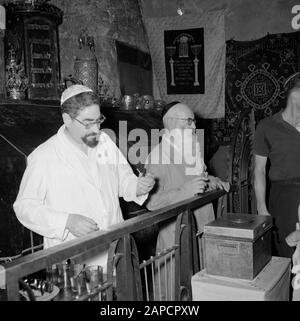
(16, 94)
(86, 68)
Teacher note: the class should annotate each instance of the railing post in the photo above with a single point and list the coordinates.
(186, 257)
(128, 277)
(12, 286)
(222, 206)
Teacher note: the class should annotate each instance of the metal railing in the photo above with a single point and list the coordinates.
(123, 263)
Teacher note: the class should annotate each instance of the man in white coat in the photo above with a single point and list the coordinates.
(73, 181)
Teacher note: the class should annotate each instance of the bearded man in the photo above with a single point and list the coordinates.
(180, 173)
(73, 181)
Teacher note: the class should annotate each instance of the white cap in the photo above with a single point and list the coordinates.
(73, 91)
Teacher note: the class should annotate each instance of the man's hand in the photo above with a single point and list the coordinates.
(262, 210)
(194, 186)
(80, 225)
(217, 183)
(145, 184)
(293, 238)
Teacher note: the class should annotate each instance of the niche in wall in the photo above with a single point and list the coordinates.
(135, 70)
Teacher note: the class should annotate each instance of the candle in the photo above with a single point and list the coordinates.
(2, 18)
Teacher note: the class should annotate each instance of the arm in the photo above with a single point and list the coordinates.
(164, 195)
(131, 187)
(217, 183)
(260, 184)
(32, 212)
(30, 206)
(161, 196)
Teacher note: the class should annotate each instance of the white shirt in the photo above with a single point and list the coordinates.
(60, 179)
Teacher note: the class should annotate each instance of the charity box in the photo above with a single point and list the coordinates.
(271, 284)
(237, 245)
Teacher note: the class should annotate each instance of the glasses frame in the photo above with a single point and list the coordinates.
(91, 124)
(189, 120)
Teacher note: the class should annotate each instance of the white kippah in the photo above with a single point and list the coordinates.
(73, 91)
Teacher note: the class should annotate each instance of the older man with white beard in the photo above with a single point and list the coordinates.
(180, 173)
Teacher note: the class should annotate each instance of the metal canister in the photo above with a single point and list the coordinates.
(86, 68)
(148, 101)
(127, 102)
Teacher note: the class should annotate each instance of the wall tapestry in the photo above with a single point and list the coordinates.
(255, 74)
(211, 103)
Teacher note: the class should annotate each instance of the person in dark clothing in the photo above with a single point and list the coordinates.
(277, 139)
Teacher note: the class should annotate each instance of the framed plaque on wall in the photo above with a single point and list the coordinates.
(41, 58)
(184, 61)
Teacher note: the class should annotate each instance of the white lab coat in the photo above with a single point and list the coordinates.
(60, 179)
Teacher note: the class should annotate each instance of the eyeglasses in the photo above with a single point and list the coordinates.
(91, 124)
(190, 121)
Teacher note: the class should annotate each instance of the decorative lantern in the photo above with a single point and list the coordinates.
(2, 18)
(86, 65)
(2, 54)
(16, 79)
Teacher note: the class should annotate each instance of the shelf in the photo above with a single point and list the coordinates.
(41, 56)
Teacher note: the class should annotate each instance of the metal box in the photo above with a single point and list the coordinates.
(237, 245)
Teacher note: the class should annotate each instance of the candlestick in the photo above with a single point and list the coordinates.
(2, 18)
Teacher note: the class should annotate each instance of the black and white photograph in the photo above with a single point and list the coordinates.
(149, 155)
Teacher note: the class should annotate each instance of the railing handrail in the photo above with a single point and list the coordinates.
(99, 240)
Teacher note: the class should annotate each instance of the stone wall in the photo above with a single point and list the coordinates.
(245, 19)
(110, 20)
(106, 21)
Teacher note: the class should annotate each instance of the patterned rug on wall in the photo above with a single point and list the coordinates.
(255, 74)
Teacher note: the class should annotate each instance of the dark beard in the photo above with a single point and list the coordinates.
(93, 142)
